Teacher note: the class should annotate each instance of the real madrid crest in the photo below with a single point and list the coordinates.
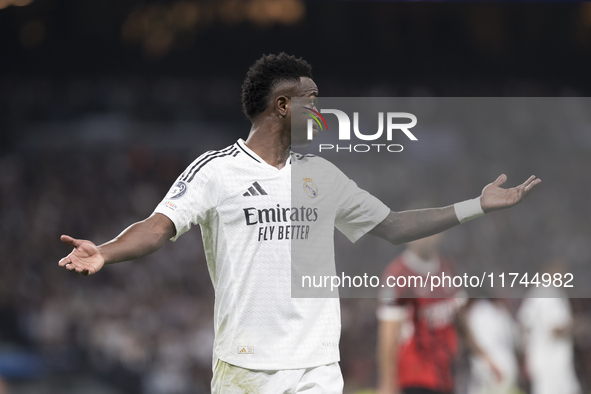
(310, 188)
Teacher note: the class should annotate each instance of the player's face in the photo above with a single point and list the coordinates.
(308, 89)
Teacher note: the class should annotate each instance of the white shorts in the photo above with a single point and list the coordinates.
(230, 379)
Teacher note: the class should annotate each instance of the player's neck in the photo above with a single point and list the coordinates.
(269, 142)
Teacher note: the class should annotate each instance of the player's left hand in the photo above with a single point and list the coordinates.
(495, 197)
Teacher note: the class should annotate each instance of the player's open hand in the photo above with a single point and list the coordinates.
(85, 259)
(495, 197)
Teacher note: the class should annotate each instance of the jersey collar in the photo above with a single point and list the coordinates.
(249, 152)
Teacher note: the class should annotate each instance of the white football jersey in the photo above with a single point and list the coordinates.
(248, 224)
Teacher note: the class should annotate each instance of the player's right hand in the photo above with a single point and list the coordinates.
(85, 259)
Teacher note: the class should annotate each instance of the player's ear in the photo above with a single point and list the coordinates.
(282, 105)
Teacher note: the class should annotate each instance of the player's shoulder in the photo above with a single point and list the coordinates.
(313, 160)
(397, 267)
(211, 161)
(228, 152)
(303, 158)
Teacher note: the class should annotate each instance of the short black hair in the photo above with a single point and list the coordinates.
(264, 74)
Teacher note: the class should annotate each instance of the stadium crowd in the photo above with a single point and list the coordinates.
(146, 326)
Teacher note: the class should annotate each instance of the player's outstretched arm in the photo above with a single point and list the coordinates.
(138, 240)
(406, 226)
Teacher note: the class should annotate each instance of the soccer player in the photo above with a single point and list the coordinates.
(548, 327)
(417, 337)
(266, 341)
(496, 331)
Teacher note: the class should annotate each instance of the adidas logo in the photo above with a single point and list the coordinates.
(255, 190)
(245, 349)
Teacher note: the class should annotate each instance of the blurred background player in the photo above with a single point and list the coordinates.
(547, 323)
(417, 337)
(495, 330)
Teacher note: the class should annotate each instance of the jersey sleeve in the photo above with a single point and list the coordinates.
(192, 195)
(391, 309)
(391, 305)
(357, 211)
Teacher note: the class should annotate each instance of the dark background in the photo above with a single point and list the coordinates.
(104, 103)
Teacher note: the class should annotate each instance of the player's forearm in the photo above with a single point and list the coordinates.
(387, 356)
(407, 226)
(138, 240)
(387, 368)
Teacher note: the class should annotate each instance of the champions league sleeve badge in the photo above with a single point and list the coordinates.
(310, 188)
(177, 191)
